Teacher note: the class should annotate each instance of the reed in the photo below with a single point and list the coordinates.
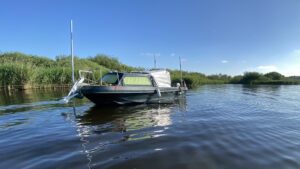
(17, 69)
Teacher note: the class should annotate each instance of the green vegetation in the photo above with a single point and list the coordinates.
(29, 70)
(268, 78)
(112, 63)
(194, 79)
(20, 69)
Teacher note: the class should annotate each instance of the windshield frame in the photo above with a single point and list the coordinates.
(116, 82)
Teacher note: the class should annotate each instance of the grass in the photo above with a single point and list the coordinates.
(20, 69)
(30, 70)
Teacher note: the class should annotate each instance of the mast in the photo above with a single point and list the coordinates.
(72, 57)
(154, 61)
(180, 71)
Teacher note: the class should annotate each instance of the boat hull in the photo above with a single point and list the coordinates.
(130, 94)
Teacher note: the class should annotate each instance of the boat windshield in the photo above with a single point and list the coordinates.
(110, 78)
(139, 81)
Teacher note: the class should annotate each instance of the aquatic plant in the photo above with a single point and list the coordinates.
(21, 69)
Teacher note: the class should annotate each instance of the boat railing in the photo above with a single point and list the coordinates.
(89, 77)
(82, 81)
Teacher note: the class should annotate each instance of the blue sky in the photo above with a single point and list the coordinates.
(212, 36)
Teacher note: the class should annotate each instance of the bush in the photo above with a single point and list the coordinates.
(249, 77)
(236, 79)
(112, 63)
(274, 75)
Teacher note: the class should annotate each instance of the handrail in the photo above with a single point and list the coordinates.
(85, 71)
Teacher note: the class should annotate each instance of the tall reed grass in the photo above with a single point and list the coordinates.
(21, 69)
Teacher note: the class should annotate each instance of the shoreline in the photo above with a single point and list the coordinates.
(29, 87)
(68, 86)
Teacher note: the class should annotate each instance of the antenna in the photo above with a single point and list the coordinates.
(72, 57)
(180, 71)
(154, 61)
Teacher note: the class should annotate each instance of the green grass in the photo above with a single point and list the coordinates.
(21, 69)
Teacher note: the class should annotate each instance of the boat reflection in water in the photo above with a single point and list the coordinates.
(102, 128)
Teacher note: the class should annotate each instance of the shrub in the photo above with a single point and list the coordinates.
(274, 75)
(236, 79)
(249, 77)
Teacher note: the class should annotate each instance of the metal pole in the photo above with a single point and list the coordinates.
(154, 62)
(100, 76)
(180, 71)
(72, 57)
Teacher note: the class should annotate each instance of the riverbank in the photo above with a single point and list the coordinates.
(21, 71)
(27, 87)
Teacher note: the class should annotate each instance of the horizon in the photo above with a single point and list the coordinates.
(211, 37)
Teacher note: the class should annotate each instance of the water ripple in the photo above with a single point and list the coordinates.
(215, 126)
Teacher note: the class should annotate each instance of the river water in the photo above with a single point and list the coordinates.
(212, 127)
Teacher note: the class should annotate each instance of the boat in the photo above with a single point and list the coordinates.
(153, 86)
(137, 87)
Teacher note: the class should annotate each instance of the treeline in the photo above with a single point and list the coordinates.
(113, 63)
(194, 79)
(252, 78)
(20, 69)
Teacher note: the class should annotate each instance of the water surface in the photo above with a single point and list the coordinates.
(214, 126)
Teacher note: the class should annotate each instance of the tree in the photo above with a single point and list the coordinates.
(274, 75)
(249, 77)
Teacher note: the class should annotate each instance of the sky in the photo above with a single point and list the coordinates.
(211, 36)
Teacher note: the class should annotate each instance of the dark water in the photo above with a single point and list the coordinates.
(216, 126)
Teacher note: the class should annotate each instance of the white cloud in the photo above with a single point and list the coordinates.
(224, 61)
(296, 52)
(268, 68)
(172, 54)
(150, 54)
(289, 66)
(291, 70)
(183, 60)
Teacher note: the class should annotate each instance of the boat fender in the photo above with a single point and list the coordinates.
(158, 92)
(180, 89)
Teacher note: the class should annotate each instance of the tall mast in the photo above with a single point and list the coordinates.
(180, 71)
(154, 61)
(72, 57)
